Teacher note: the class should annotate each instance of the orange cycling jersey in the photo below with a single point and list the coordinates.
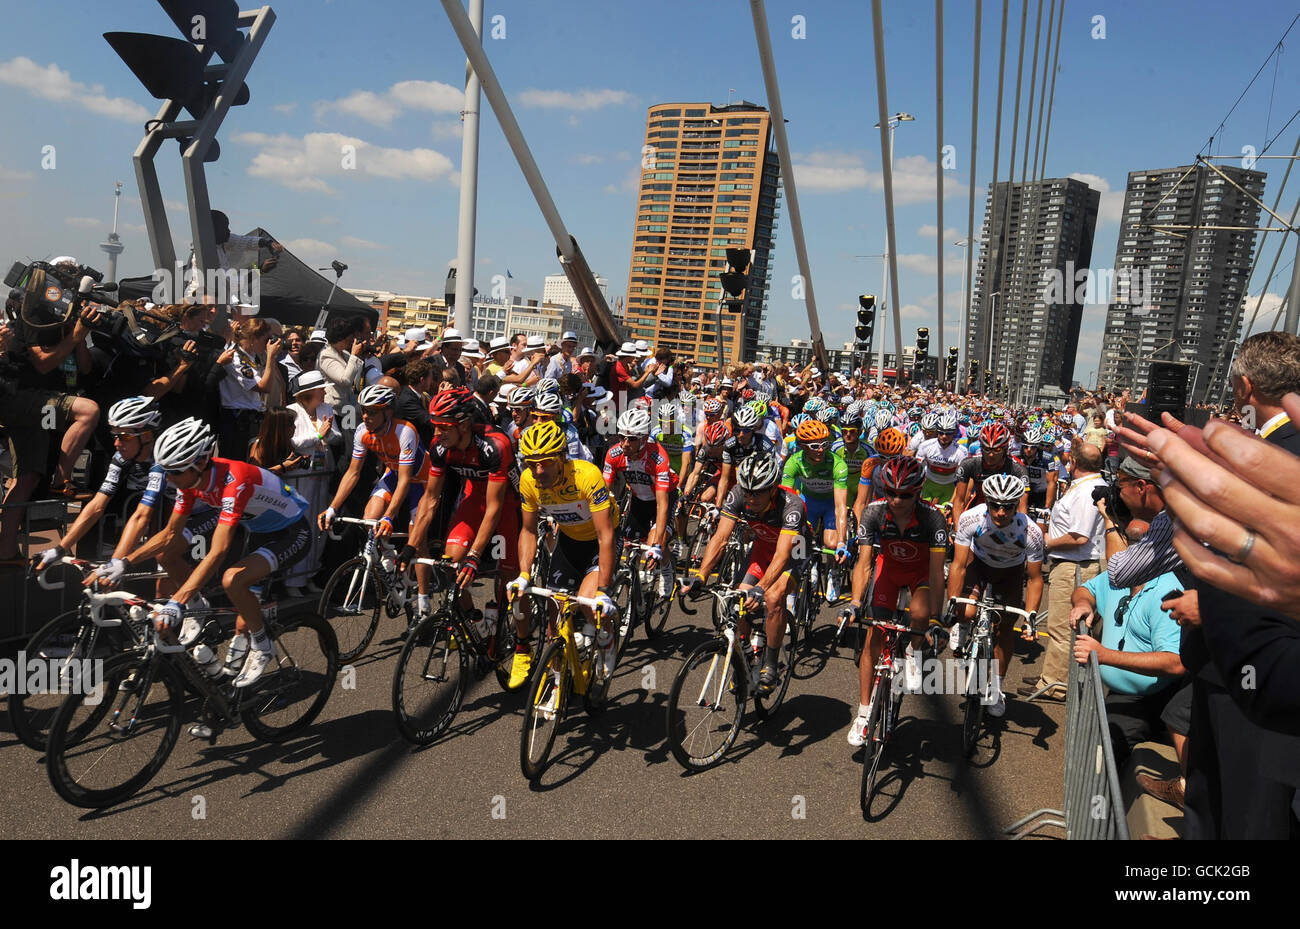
(397, 445)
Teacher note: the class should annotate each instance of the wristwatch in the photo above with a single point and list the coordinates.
(1113, 529)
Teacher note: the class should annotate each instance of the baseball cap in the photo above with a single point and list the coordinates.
(1134, 468)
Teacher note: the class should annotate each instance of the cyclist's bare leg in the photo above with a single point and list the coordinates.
(172, 560)
(774, 598)
(238, 581)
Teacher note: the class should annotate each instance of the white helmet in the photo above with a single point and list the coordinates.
(634, 422)
(183, 445)
(746, 418)
(884, 419)
(1034, 436)
(547, 385)
(948, 421)
(547, 403)
(521, 397)
(1003, 488)
(930, 421)
(667, 411)
(376, 395)
(758, 472)
(134, 413)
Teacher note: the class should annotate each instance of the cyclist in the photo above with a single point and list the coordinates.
(548, 407)
(745, 440)
(677, 439)
(642, 464)
(929, 429)
(134, 423)
(821, 477)
(908, 538)
(855, 452)
(1042, 468)
(241, 494)
(941, 455)
(709, 463)
(997, 545)
(521, 408)
(890, 444)
(573, 493)
(487, 509)
(776, 515)
(973, 470)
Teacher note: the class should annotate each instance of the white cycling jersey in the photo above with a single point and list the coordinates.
(941, 463)
(1018, 542)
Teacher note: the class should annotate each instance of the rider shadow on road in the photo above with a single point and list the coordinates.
(818, 718)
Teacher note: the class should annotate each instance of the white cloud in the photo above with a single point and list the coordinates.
(352, 241)
(831, 172)
(83, 222)
(9, 174)
(53, 83)
(285, 108)
(1111, 207)
(382, 108)
(928, 230)
(444, 129)
(1268, 307)
(311, 248)
(303, 162)
(571, 100)
(587, 159)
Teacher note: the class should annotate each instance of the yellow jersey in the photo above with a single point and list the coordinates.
(578, 493)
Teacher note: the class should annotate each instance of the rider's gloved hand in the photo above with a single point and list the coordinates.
(755, 596)
(841, 553)
(468, 569)
(949, 613)
(405, 557)
(326, 517)
(168, 616)
(112, 572)
(654, 556)
(694, 586)
(936, 637)
(384, 527)
(605, 606)
(47, 558)
(518, 586)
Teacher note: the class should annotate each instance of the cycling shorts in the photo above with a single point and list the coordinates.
(469, 515)
(1007, 584)
(640, 516)
(285, 547)
(1038, 498)
(938, 494)
(572, 560)
(820, 509)
(760, 559)
(386, 486)
(891, 577)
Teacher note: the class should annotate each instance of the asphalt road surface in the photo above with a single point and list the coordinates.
(352, 776)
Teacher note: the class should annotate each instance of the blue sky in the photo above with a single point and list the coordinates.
(387, 76)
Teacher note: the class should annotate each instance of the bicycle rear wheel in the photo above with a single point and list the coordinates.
(706, 704)
(548, 694)
(429, 682)
(292, 692)
(350, 604)
(127, 736)
(655, 615)
(873, 749)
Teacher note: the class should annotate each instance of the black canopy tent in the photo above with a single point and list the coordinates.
(292, 292)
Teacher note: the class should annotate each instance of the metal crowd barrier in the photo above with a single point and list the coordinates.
(1093, 806)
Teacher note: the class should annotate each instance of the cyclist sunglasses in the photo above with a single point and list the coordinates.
(125, 435)
(897, 496)
(543, 460)
(815, 446)
(1002, 506)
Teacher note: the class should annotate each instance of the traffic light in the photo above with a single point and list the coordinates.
(922, 342)
(866, 321)
(735, 279)
(988, 381)
(951, 372)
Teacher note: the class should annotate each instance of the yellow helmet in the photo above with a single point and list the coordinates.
(543, 440)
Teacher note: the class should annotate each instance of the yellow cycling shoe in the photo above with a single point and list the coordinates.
(519, 669)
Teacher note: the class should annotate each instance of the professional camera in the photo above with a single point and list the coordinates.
(1115, 506)
(68, 288)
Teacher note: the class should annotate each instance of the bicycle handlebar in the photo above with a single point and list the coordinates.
(588, 602)
(369, 523)
(1023, 614)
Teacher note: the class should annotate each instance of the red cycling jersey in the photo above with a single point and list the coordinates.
(244, 493)
(646, 474)
(487, 459)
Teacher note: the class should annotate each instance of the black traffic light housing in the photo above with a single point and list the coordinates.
(735, 279)
(951, 371)
(866, 321)
(922, 342)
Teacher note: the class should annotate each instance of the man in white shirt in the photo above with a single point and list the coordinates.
(1073, 549)
(528, 367)
(564, 363)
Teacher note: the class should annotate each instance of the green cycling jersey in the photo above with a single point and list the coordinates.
(816, 481)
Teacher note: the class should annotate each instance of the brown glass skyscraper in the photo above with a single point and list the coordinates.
(709, 182)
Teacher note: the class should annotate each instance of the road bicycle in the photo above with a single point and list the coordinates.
(711, 689)
(363, 585)
(105, 746)
(569, 664)
(433, 667)
(886, 698)
(645, 604)
(980, 667)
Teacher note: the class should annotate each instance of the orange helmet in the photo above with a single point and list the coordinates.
(891, 442)
(812, 430)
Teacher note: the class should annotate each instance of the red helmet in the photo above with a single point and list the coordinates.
(994, 435)
(747, 394)
(715, 433)
(901, 474)
(450, 406)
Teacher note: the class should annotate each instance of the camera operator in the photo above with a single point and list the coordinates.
(194, 368)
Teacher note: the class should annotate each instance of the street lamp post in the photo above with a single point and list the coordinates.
(884, 289)
(963, 244)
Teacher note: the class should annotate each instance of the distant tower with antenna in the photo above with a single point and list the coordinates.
(113, 245)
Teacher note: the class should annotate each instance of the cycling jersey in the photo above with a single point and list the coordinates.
(785, 514)
(867, 476)
(396, 446)
(854, 459)
(973, 467)
(907, 546)
(579, 492)
(646, 474)
(135, 475)
(246, 494)
(1037, 467)
(1018, 542)
(941, 463)
(487, 459)
(733, 452)
(676, 443)
(816, 481)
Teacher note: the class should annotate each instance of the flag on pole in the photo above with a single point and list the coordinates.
(508, 274)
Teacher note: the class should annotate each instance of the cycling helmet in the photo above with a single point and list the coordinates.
(884, 419)
(994, 435)
(542, 440)
(686, 398)
(763, 396)
(851, 419)
(548, 385)
(1034, 436)
(712, 406)
(715, 434)
(947, 421)
(634, 422)
(667, 411)
(134, 413)
(901, 474)
(913, 429)
(828, 414)
(813, 405)
(930, 421)
(450, 406)
(376, 395)
(747, 394)
(548, 403)
(746, 418)
(813, 430)
(521, 397)
(798, 419)
(758, 473)
(759, 407)
(844, 401)
(915, 413)
(184, 445)
(1003, 488)
(891, 442)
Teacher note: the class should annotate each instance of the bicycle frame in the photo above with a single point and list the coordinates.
(563, 628)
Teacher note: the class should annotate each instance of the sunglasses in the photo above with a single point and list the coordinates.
(632, 439)
(446, 425)
(1002, 506)
(897, 496)
(124, 436)
(850, 433)
(815, 446)
(541, 416)
(533, 462)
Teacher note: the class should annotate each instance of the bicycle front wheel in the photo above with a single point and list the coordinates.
(706, 704)
(429, 683)
(128, 732)
(973, 711)
(873, 749)
(350, 604)
(548, 693)
(295, 689)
